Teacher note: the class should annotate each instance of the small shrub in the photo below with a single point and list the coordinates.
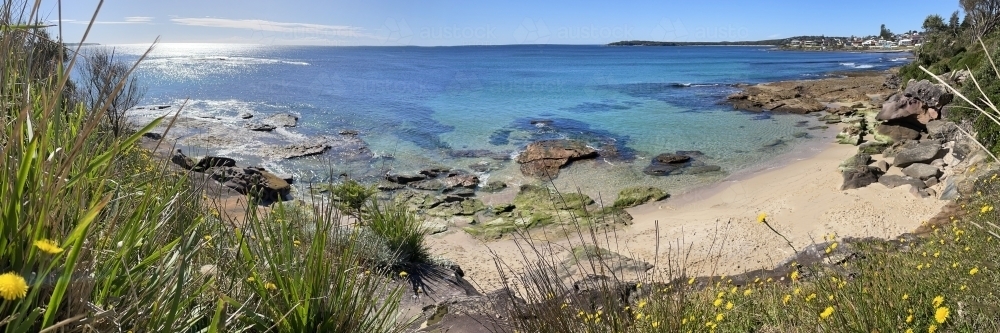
(351, 196)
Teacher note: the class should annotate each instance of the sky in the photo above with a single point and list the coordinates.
(445, 23)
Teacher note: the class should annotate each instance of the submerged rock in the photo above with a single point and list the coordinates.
(282, 120)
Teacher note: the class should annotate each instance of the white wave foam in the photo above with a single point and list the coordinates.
(855, 65)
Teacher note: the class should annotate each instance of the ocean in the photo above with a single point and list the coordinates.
(417, 106)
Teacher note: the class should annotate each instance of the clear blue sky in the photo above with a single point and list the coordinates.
(433, 23)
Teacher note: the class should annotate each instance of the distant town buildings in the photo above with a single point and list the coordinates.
(898, 41)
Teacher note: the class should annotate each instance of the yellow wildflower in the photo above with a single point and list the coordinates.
(48, 246)
(747, 292)
(906, 296)
(641, 304)
(786, 299)
(403, 274)
(718, 302)
(719, 317)
(251, 279)
(941, 314)
(729, 305)
(12, 286)
(938, 301)
(797, 291)
(937, 254)
(691, 281)
(932, 329)
(655, 324)
(732, 291)
(963, 287)
(974, 270)
(810, 297)
(270, 286)
(762, 217)
(208, 238)
(826, 313)
(795, 275)
(909, 330)
(296, 242)
(909, 319)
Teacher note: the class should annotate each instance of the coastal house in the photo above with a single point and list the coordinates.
(795, 42)
(809, 43)
(905, 42)
(869, 42)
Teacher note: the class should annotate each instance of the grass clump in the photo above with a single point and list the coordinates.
(402, 232)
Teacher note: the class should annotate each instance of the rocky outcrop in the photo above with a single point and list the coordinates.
(543, 159)
(282, 120)
(252, 181)
(810, 96)
(907, 113)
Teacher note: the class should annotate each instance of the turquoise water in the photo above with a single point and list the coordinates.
(417, 105)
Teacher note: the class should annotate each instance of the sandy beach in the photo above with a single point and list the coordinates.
(716, 226)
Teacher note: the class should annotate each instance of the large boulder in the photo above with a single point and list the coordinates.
(857, 161)
(921, 101)
(898, 131)
(923, 153)
(860, 177)
(209, 162)
(940, 129)
(894, 181)
(544, 158)
(183, 161)
(922, 171)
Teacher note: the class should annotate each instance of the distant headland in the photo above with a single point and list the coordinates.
(887, 42)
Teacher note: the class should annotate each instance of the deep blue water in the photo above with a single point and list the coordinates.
(419, 103)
